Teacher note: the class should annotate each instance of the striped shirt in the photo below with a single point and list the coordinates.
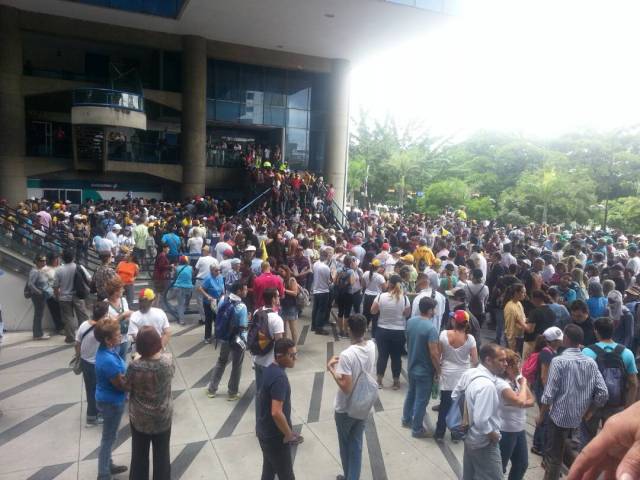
(574, 383)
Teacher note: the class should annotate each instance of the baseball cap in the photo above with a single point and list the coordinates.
(552, 334)
(147, 294)
(408, 258)
(375, 262)
(250, 248)
(228, 252)
(460, 316)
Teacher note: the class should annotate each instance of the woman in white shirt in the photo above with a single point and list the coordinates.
(374, 284)
(393, 308)
(119, 310)
(458, 353)
(515, 396)
(86, 347)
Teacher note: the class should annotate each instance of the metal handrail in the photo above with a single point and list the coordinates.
(253, 201)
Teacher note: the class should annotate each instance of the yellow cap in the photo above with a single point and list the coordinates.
(147, 294)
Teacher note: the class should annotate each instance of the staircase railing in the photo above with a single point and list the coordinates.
(244, 208)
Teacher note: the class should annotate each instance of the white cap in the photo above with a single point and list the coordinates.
(250, 248)
(552, 334)
(116, 227)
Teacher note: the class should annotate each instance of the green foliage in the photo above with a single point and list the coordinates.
(504, 176)
(624, 213)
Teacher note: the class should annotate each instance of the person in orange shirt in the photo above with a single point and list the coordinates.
(127, 270)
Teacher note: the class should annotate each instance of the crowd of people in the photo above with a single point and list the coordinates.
(563, 304)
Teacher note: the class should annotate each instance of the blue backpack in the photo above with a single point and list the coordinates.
(226, 321)
(458, 420)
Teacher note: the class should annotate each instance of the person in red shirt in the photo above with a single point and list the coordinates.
(266, 280)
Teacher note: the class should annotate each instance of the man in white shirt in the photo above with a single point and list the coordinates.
(424, 290)
(203, 267)
(222, 246)
(322, 280)
(271, 299)
(481, 450)
(507, 258)
(149, 316)
(358, 251)
(479, 260)
(634, 262)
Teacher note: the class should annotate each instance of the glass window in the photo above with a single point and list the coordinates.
(171, 71)
(274, 87)
(274, 116)
(318, 120)
(297, 118)
(227, 81)
(227, 111)
(211, 79)
(251, 113)
(298, 90)
(320, 92)
(297, 147)
(253, 83)
(211, 109)
(316, 151)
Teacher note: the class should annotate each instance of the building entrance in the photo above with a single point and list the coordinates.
(230, 146)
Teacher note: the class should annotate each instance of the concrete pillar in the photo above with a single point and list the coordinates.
(194, 115)
(13, 181)
(337, 148)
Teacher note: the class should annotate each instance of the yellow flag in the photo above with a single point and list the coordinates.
(445, 232)
(263, 251)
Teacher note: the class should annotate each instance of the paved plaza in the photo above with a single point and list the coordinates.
(43, 434)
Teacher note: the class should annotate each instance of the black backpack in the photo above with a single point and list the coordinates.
(475, 304)
(259, 339)
(80, 285)
(343, 283)
(613, 371)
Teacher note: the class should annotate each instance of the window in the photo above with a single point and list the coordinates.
(274, 116)
(274, 87)
(227, 111)
(298, 90)
(297, 118)
(227, 82)
(297, 147)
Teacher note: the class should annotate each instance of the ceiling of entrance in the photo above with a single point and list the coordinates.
(351, 29)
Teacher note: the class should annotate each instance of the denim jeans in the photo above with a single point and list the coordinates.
(499, 316)
(416, 401)
(513, 446)
(350, 433)
(199, 298)
(89, 377)
(259, 370)
(38, 313)
(390, 344)
(540, 435)
(111, 414)
(320, 311)
(445, 406)
(183, 297)
(124, 349)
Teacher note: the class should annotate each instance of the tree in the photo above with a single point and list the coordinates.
(452, 193)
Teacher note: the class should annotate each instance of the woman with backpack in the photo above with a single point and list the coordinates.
(515, 396)
(393, 308)
(288, 305)
(623, 322)
(476, 295)
(374, 284)
(344, 294)
(458, 353)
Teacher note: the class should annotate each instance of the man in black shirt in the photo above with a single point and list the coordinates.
(273, 426)
(540, 318)
(580, 316)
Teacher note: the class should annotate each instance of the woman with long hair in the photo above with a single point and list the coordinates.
(596, 302)
(579, 284)
(150, 406)
(119, 310)
(374, 284)
(393, 308)
(458, 353)
(514, 318)
(515, 396)
(288, 305)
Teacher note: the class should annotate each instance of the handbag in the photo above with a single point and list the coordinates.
(363, 395)
(75, 364)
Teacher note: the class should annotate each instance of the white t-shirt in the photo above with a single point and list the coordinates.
(276, 326)
(441, 304)
(391, 314)
(634, 264)
(225, 266)
(352, 360)
(455, 361)
(321, 278)
(155, 318)
(194, 244)
(113, 313)
(89, 345)
(203, 266)
(220, 248)
(478, 291)
(513, 418)
(374, 285)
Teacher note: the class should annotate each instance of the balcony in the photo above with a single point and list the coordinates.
(99, 106)
(143, 152)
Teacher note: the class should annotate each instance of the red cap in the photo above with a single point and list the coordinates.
(386, 246)
(460, 316)
(228, 252)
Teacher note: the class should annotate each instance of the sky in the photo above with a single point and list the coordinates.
(539, 67)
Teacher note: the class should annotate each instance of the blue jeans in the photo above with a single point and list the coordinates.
(124, 349)
(499, 325)
(350, 432)
(111, 414)
(415, 404)
(183, 297)
(513, 446)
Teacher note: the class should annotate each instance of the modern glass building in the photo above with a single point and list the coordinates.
(164, 97)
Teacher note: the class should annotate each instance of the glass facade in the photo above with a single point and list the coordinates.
(270, 97)
(161, 8)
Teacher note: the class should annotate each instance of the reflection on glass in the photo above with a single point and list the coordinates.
(297, 147)
(227, 111)
(297, 118)
(298, 90)
(274, 116)
(251, 113)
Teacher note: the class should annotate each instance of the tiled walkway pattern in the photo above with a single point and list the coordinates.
(43, 435)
